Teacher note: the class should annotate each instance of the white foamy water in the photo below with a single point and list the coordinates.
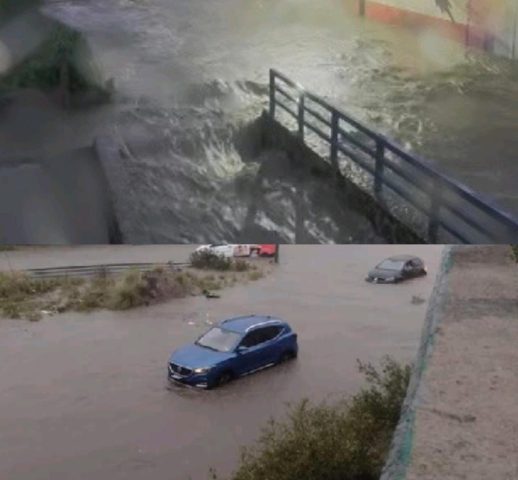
(190, 74)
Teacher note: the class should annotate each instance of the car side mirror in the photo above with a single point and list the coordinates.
(241, 349)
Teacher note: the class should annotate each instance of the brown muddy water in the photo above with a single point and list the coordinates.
(86, 396)
(190, 74)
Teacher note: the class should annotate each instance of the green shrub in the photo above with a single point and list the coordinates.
(255, 275)
(94, 295)
(129, 293)
(241, 265)
(346, 440)
(63, 59)
(205, 260)
(514, 249)
(11, 310)
(210, 284)
(19, 286)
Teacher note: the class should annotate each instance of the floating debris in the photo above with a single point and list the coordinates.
(210, 294)
(417, 300)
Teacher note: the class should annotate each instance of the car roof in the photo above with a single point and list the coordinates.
(248, 322)
(403, 258)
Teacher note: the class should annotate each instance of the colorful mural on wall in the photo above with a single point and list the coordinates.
(491, 25)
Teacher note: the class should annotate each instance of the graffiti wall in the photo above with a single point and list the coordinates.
(491, 25)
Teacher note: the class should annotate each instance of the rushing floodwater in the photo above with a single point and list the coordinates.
(189, 74)
(84, 396)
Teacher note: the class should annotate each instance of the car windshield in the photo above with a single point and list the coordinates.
(219, 340)
(390, 264)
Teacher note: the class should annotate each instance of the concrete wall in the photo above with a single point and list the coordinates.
(63, 199)
(400, 454)
(460, 416)
(273, 135)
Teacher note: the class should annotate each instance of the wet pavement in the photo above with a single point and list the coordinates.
(86, 396)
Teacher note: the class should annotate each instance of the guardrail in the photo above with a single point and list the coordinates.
(448, 209)
(98, 270)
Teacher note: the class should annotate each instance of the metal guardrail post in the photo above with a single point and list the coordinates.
(272, 94)
(334, 140)
(380, 164)
(435, 205)
(301, 115)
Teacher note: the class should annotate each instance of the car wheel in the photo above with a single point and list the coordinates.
(286, 356)
(224, 378)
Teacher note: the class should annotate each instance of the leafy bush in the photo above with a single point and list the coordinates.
(18, 286)
(95, 295)
(255, 275)
(241, 265)
(19, 293)
(347, 440)
(206, 260)
(514, 249)
(43, 69)
(129, 293)
(24, 297)
(62, 60)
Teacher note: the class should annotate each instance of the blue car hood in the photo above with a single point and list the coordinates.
(193, 356)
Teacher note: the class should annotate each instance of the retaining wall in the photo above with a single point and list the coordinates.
(460, 416)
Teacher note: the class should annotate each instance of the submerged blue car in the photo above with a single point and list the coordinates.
(235, 347)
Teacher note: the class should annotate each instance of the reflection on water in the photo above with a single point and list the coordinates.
(190, 74)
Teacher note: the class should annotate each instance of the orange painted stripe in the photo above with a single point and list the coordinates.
(413, 20)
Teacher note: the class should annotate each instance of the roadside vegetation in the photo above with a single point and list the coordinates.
(514, 249)
(22, 296)
(345, 440)
(210, 261)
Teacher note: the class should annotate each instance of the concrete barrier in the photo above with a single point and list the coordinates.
(460, 416)
(275, 136)
(399, 456)
(60, 199)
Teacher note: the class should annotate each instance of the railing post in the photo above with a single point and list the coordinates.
(361, 8)
(272, 94)
(435, 206)
(334, 140)
(380, 164)
(301, 115)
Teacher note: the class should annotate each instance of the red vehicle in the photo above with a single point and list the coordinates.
(267, 250)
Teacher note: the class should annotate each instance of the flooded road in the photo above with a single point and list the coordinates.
(85, 396)
(189, 75)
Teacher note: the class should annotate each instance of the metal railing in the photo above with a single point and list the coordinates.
(447, 209)
(99, 270)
